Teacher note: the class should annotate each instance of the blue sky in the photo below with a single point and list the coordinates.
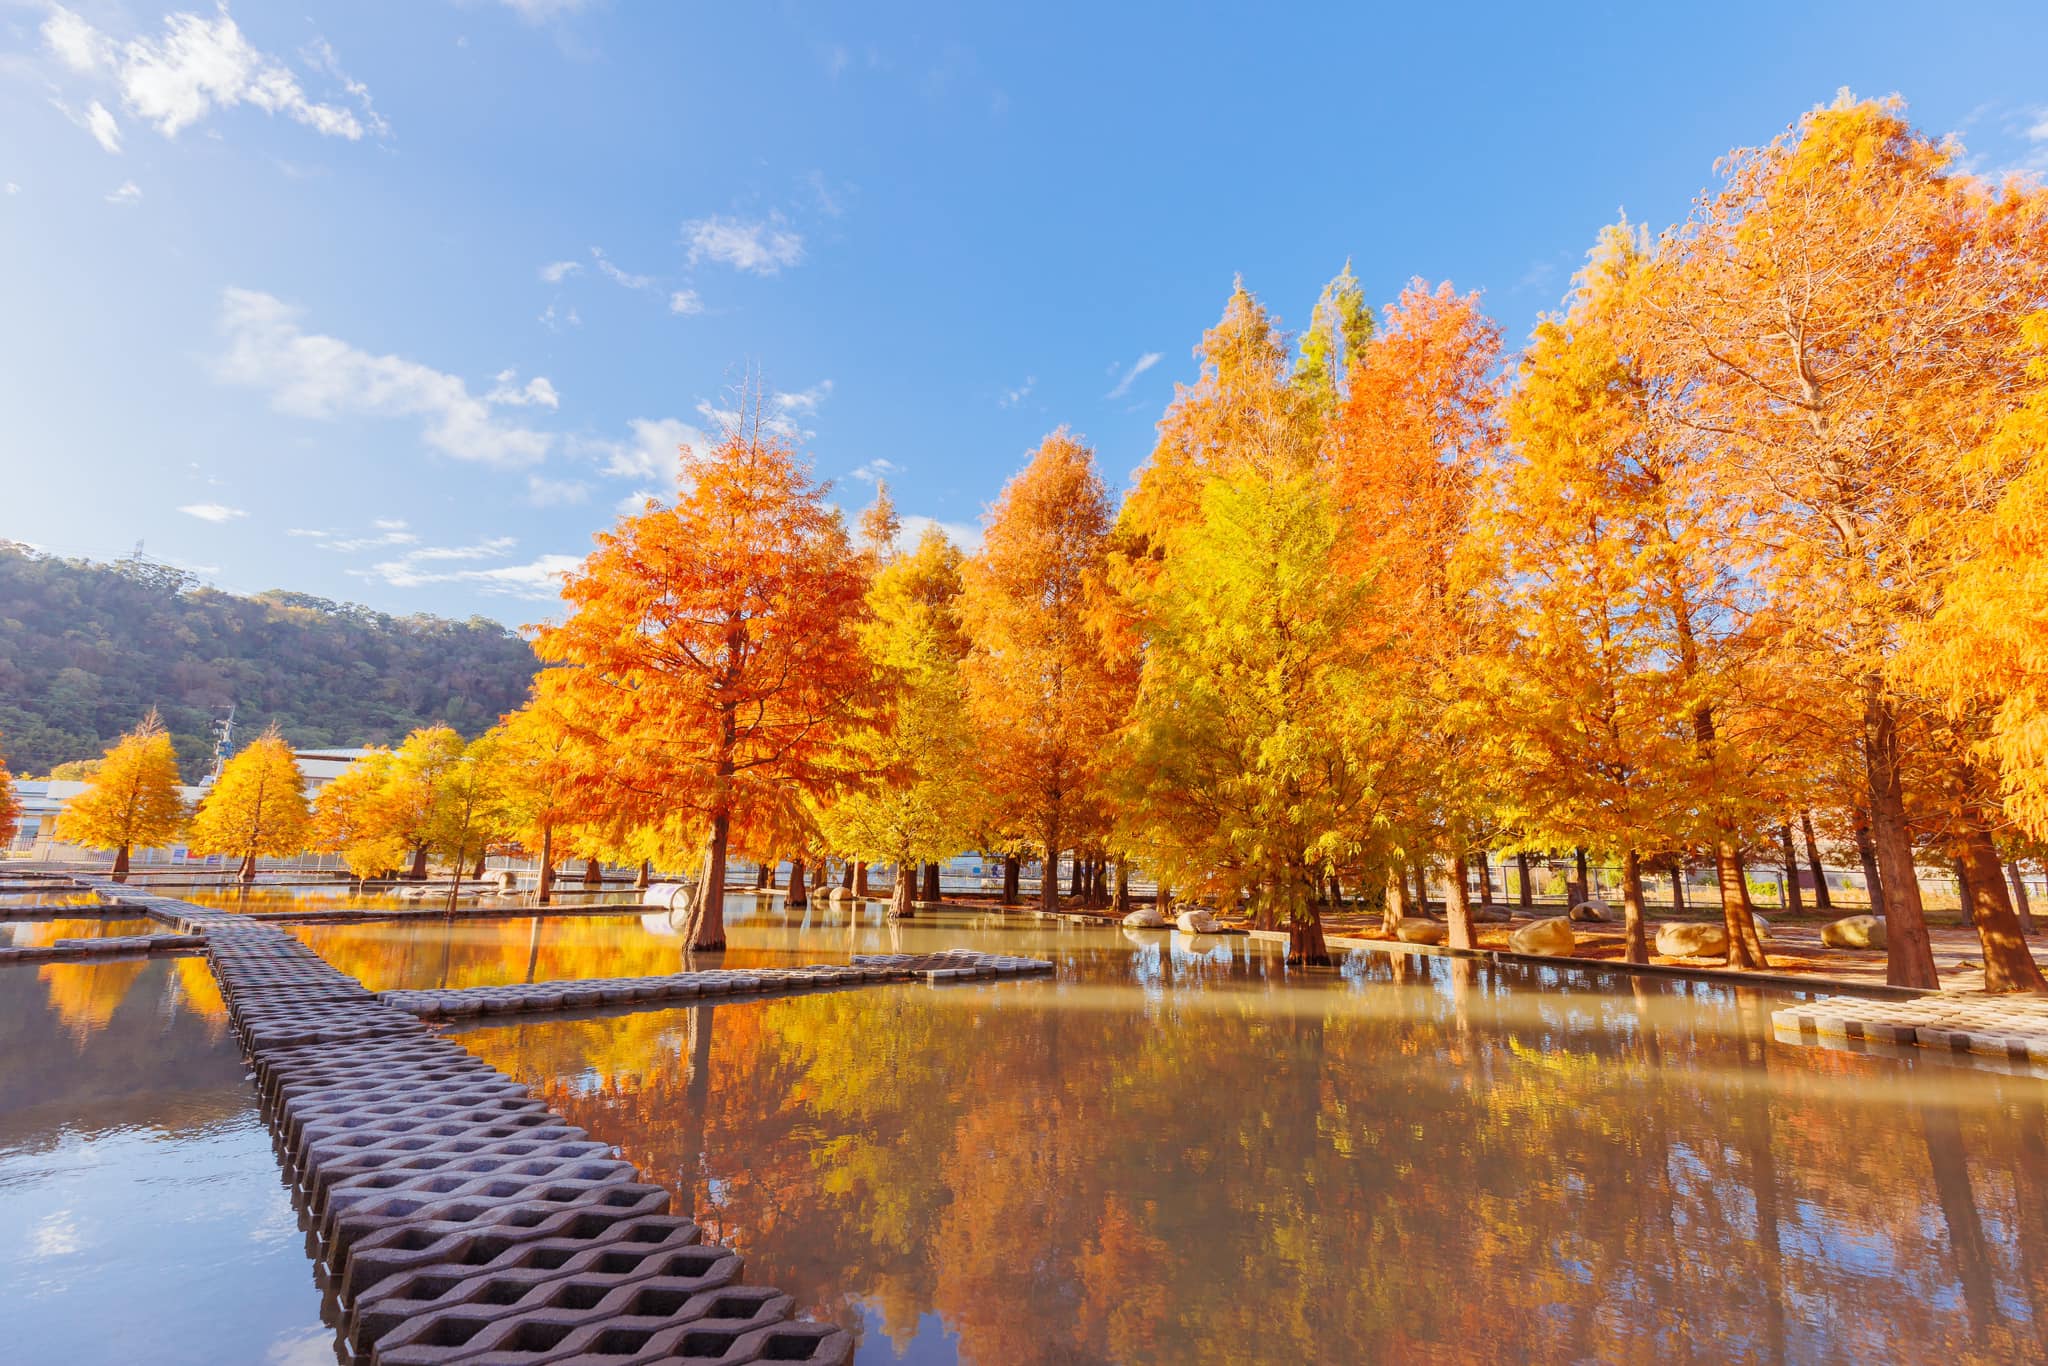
(398, 302)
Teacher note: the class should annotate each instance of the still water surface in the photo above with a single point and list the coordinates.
(142, 1216)
(1177, 1151)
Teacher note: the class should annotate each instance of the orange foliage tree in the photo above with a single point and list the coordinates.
(256, 808)
(711, 645)
(1039, 684)
(132, 800)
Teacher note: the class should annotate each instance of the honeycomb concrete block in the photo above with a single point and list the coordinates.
(708, 1324)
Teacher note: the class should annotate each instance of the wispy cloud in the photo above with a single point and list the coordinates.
(213, 512)
(803, 400)
(554, 272)
(685, 301)
(962, 534)
(651, 452)
(538, 580)
(1144, 363)
(1011, 398)
(311, 375)
(547, 493)
(760, 246)
(535, 11)
(618, 276)
(874, 471)
(199, 65)
(537, 392)
(129, 193)
(101, 125)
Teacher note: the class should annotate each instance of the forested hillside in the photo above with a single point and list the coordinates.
(87, 648)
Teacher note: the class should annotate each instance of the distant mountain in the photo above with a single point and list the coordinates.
(87, 648)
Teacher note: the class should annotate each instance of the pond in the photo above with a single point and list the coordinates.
(26, 934)
(1175, 1150)
(142, 1215)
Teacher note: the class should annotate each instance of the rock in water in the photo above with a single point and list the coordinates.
(1197, 921)
(1590, 912)
(1416, 931)
(1692, 941)
(1551, 938)
(1855, 932)
(1145, 918)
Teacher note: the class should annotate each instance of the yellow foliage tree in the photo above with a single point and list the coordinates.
(10, 809)
(133, 800)
(257, 808)
(351, 817)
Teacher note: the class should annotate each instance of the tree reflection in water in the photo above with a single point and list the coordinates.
(1169, 1155)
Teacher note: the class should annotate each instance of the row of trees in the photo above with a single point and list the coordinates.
(1740, 541)
(1748, 536)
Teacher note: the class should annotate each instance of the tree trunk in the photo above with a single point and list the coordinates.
(1678, 883)
(547, 867)
(1306, 946)
(1525, 896)
(1584, 891)
(2008, 965)
(1049, 875)
(645, 876)
(1632, 907)
(1013, 875)
(1394, 908)
(1909, 954)
(1422, 887)
(707, 916)
(1122, 904)
(764, 876)
(1866, 853)
(1823, 899)
(1078, 885)
(846, 874)
(593, 874)
(860, 880)
(482, 864)
(1738, 916)
(1336, 881)
(932, 892)
(1485, 881)
(121, 863)
(798, 896)
(1793, 904)
(901, 890)
(248, 873)
(455, 881)
(419, 865)
(1458, 909)
(1963, 903)
(2020, 903)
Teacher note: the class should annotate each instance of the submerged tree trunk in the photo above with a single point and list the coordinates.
(1525, 895)
(798, 895)
(1909, 953)
(1793, 905)
(1013, 879)
(1632, 907)
(1394, 907)
(1738, 916)
(1458, 907)
(2008, 964)
(547, 867)
(1823, 899)
(1306, 946)
(1866, 853)
(901, 889)
(2020, 903)
(707, 912)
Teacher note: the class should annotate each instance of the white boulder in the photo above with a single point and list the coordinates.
(1414, 930)
(1551, 938)
(1197, 921)
(1145, 918)
(1590, 912)
(1855, 932)
(1684, 940)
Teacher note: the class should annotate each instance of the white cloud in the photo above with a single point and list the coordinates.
(101, 125)
(389, 523)
(390, 531)
(613, 273)
(538, 391)
(635, 502)
(554, 321)
(875, 471)
(315, 376)
(554, 272)
(763, 247)
(13, 188)
(212, 512)
(544, 493)
(536, 11)
(1123, 386)
(539, 579)
(654, 450)
(804, 400)
(1017, 395)
(197, 66)
(685, 301)
(2039, 131)
(482, 550)
(959, 533)
(129, 193)
(308, 532)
